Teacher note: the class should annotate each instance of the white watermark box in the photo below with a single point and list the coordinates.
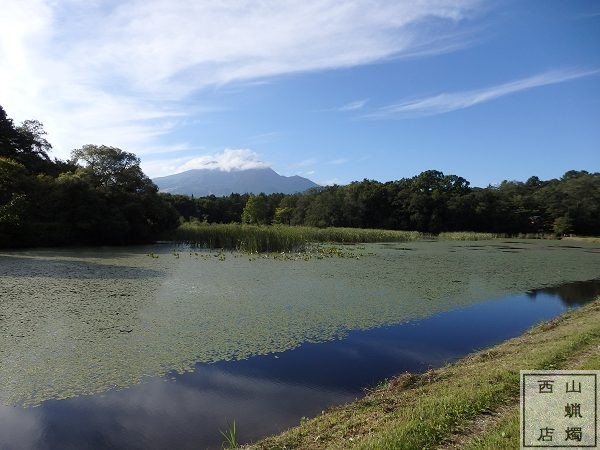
(559, 408)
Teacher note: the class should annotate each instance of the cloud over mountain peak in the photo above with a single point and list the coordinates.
(228, 160)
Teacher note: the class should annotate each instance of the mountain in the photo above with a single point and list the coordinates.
(203, 182)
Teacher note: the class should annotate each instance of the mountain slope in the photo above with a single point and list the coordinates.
(202, 182)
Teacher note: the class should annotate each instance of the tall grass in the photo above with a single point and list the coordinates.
(230, 436)
(277, 238)
(468, 236)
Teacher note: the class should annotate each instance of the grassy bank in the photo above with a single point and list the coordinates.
(472, 403)
(276, 238)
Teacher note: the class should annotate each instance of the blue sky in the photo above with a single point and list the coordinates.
(335, 91)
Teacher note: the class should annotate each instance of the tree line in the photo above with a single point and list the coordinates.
(429, 202)
(99, 196)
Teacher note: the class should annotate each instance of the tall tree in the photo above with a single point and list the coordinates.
(25, 144)
(256, 210)
(112, 168)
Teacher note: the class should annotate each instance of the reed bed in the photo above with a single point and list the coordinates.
(283, 238)
(468, 236)
(280, 238)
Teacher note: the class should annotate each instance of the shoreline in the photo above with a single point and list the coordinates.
(471, 403)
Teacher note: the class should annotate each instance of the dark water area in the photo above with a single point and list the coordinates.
(269, 393)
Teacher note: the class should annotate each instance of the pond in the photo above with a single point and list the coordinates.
(147, 347)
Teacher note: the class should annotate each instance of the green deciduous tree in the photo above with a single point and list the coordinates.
(283, 215)
(256, 210)
(14, 187)
(112, 168)
(562, 225)
(100, 197)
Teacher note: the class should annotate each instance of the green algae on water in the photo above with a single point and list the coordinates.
(83, 321)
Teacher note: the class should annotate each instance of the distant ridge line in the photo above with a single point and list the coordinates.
(204, 182)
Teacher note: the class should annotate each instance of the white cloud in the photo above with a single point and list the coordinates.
(228, 160)
(264, 137)
(120, 73)
(305, 163)
(444, 103)
(353, 106)
(338, 161)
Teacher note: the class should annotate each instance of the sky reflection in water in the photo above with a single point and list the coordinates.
(266, 394)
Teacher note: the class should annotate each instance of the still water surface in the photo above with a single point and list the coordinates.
(268, 393)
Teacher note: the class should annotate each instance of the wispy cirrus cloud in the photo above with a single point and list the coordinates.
(353, 106)
(123, 73)
(338, 161)
(305, 163)
(264, 137)
(443, 103)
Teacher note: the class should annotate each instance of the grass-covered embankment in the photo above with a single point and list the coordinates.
(472, 403)
(276, 238)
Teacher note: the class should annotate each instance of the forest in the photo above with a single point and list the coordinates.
(430, 202)
(101, 196)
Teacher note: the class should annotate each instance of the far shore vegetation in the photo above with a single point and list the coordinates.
(280, 238)
(285, 238)
(100, 196)
(470, 404)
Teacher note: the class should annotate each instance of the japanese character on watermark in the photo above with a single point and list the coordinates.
(559, 408)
